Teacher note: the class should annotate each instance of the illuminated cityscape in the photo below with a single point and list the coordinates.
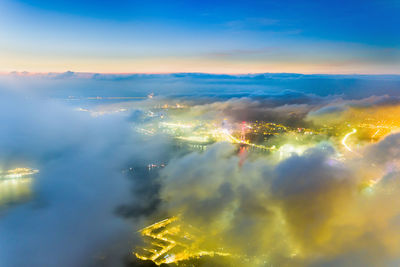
(171, 241)
(199, 133)
(264, 136)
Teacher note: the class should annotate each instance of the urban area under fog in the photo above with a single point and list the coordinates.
(196, 133)
(281, 177)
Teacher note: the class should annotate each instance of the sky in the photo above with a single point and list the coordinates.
(333, 37)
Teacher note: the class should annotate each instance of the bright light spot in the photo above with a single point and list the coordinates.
(288, 150)
(345, 139)
(15, 185)
(171, 242)
(17, 173)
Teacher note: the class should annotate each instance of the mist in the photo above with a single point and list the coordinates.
(108, 168)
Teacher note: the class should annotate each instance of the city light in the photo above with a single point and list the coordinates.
(345, 139)
(171, 242)
(16, 185)
(17, 173)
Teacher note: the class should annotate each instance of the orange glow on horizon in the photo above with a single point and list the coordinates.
(43, 65)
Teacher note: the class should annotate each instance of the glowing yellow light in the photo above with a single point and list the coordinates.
(17, 173)
(287, 150)
(15, 185)
(197, 139)
(170, 243)
(232, 139)
(377, 131)
(345, 139)
(176, 125)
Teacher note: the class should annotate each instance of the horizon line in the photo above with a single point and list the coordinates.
(29, 73)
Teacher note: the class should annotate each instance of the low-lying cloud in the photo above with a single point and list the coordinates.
(71, 220)
(307, 210)
(301, 209)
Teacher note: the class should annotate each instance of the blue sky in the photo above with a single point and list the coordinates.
(200, 36)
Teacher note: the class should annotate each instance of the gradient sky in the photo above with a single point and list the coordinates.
(200, 36)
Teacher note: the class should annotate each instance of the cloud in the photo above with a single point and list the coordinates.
(93, 189)
(339, 110)
(249, 109)
(201, 84)
(307, 210)
(71, 220)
